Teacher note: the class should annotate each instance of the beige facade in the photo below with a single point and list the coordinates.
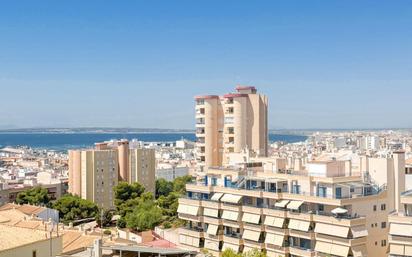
(322, 210)
(400, 232)
(94, 172)
(142, 167)
(229, 124)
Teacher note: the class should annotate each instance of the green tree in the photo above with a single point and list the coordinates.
(125, 191)
(230, 253)
(179, 184)
(254, 253)
(34, 196)
(169, 204)
(163, 187)
(104, 218)
(146, 215)
(72, 208)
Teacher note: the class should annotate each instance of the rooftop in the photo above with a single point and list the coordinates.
(12, 237)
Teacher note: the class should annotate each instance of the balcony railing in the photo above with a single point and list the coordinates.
(233, 235)
(272, 207)
(195, 229)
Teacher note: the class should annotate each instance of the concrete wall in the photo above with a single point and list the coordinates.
(42, 248)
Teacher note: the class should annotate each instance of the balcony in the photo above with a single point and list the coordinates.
(252, 244)
(300, 251)
(190, 201)
(233, 238)
(212, 220)
(190, 217)
(193, 232)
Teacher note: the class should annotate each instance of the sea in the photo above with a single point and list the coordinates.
(62, 142)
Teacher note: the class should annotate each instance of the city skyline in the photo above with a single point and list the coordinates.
(140, 65)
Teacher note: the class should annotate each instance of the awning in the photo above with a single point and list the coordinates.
(359, 231)
(211, 212)
(212, 229)
(187, 240)
(229, 198)
(294, 205)
(274, 221)
(359, 251)
(251, 218)
(400, 230)
(339, 211)
(230, 215)
(299, 225)
(188, 209)
(332, 230)
(251, 235)
(212, 245)
(323, 247)
(408, 250)
(230, 246)
(216, 196)
(282, 204)
(396, 249)
(274, 239)
(332, 249)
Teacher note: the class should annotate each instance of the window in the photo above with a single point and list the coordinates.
(383, 243)
(383, 225)
(34, 253)
(214, 181)
(383, 207)
(338, 192)
(374, 208)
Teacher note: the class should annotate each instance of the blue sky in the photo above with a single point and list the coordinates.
(323, 64)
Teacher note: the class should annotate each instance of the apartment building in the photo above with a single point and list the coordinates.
(325, 209)
(229, 124)
(400, 232)
(143, 168)
(94, 172)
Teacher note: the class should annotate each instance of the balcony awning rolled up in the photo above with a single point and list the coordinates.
(212, 245)
(188, 209)
(251, 235)
(400, 230)
(274, 239)
(359, 251)
(216, 197)
(294, 205)
(359, 231)
(229, 198)
(274, 221)
(212, 229)
(251, 218)
(230, 215)
(332, 249)
(299, 225)
(282, 204)
(332, 230)
(211, 212)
